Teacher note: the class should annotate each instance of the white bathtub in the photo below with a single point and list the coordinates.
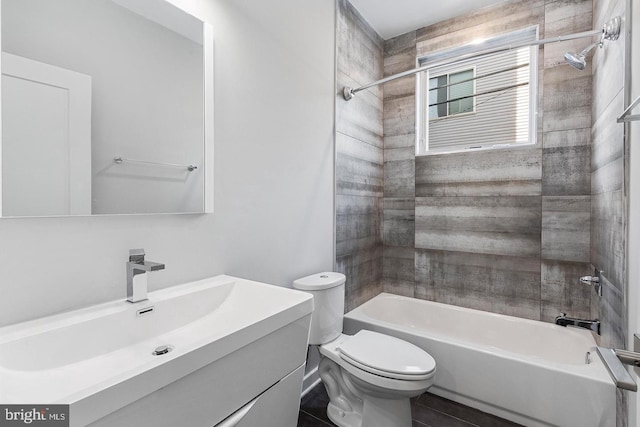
(526, 371)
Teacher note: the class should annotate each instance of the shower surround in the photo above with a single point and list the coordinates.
(503, 230)
(509, 230)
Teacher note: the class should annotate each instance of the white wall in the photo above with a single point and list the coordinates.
(274, 177)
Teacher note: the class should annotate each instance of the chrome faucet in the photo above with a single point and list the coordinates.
(594, 280)
(137, 269)
(592, 325)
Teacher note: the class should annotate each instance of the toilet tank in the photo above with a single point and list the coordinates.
(328, 305)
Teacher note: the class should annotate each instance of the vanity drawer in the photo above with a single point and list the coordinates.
(277, 407)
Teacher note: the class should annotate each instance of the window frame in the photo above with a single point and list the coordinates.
(449, 115)
(450, 54)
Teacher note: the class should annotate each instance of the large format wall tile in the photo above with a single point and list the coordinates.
(487, 225)
(566, 171)
(359, 157)
(398, 178)
(566, 165)
(399, 167)
(361, 118)
(399, 271)
(359, 49)
(561, 18)
(505, 172)
(399, 222)
(363, 270)
(562, 292)
(566, 228)
(501, 284)
(482, 23)
(607, 235)
(607, 160)
(399, 115)
(358, 167)
(610, 310)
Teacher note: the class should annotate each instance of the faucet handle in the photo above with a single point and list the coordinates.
(136, 256)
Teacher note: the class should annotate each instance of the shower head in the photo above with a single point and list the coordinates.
(576, 60)
(610, 31)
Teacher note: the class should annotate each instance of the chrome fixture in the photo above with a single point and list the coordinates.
(592, 280)
(137, 269)
(613, 360)
(163, 349)
(143, 311)
(610, 31)
(626, 116)
(120, 159)
(578, 60)
(592, 325)
(595, 280)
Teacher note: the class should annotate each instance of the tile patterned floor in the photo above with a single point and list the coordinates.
(427, 410)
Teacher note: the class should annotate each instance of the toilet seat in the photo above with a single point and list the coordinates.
(387, 356)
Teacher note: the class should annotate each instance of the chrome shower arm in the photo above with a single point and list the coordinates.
(591, 46)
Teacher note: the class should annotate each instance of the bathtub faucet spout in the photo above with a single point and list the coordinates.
(592, 325)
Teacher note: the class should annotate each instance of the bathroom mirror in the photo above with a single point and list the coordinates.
(106, 108)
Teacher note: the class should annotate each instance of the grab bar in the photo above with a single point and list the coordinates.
(613, 360)
(625, 117)
(628, 357)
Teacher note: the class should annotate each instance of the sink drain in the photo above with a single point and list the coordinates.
(163, 349)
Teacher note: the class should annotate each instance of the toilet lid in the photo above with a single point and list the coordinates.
(387, 356)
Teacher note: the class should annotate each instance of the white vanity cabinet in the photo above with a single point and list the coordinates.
(237, 350)
(258, 385)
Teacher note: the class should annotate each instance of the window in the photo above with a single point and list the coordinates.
(479, 103)
(451, 94)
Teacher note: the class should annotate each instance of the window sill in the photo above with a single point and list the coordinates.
(525, 146)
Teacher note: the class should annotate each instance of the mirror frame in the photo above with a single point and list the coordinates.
(208, 123)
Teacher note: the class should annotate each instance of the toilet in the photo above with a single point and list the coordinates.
(369, 376)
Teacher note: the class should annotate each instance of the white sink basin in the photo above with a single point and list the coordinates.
(77, 355)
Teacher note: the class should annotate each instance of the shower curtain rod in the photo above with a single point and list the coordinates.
(504, 70)
(348, 92)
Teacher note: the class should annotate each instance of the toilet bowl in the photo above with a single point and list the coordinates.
(369, 376)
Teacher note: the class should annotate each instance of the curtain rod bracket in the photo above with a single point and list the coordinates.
(347, 93)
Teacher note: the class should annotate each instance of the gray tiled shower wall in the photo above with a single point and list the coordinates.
(608, 191)
(359, 157)
(509, 230)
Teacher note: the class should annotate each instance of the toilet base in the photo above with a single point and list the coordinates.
(376, 413)
(353, 405)
(343, 418)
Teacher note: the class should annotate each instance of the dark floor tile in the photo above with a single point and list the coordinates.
(461, 412)
(315, 403)
(307, 420)
(432, 418)
(427, 410)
